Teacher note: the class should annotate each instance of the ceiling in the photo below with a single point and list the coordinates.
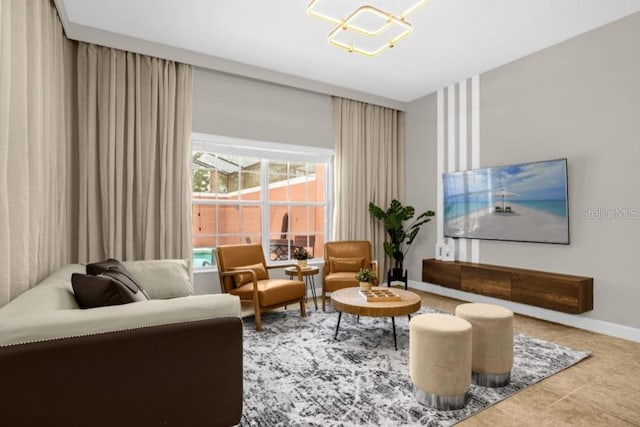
(276, 40)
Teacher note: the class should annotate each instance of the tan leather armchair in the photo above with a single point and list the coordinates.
(342, 261)
(243, 272)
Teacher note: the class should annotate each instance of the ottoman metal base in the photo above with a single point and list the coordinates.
(490, 380)
(441, 403)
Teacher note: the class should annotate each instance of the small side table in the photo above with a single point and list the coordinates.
(308, 273)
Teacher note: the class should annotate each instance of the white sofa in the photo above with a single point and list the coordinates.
(178, 356)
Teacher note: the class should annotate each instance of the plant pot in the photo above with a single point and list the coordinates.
(397, 274)
(365, 286)
(302, 263)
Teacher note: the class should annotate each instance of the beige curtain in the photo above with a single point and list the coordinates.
(133, 156)
(94, 151)
(34, 155)
(369, 167)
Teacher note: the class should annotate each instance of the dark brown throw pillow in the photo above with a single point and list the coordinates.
(103, 290)
(113, 266)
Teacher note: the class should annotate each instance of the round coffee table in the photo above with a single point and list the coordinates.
(350, 301)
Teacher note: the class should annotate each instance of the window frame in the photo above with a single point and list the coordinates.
(267, 151)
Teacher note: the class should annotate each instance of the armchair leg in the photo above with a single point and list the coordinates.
(323, 308)
(303, 307)
(258, 321)
(256, 309)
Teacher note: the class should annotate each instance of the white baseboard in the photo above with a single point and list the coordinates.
(574, 320)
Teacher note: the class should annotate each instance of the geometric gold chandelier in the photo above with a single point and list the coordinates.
(367, 29)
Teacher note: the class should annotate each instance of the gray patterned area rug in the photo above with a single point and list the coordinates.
(296, 374)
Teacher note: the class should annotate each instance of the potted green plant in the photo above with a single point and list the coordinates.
(301, 255)
(367, 278)
(400, 237)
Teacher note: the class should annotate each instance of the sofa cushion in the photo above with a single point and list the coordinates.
(335, 281)
(108, 288)
(346, 264)
(241, 279)
(113, 265)
(161, 279)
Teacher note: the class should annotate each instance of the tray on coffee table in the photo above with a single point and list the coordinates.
(379, 295)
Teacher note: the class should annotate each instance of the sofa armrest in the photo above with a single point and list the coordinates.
(182, 374)
(77, 322)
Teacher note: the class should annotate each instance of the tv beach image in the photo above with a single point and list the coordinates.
(525, 202)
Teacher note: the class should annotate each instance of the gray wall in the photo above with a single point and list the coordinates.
(244, 108)
(421, 177)
(579, 99)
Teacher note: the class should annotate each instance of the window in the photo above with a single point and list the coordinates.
(256, 192)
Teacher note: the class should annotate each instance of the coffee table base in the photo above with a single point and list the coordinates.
(393, 324)
(350, 301)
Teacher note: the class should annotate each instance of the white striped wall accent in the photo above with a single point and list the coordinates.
(458, 145)
(440, 165)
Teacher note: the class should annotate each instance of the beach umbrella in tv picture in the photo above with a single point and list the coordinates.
(504, 193)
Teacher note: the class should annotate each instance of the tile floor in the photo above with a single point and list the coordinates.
(603, 390)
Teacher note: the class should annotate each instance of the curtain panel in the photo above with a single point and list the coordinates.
(35, 190)
(94, 151)
(369, 167)
(134, 127)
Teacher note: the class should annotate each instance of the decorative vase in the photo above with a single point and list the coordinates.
(302, 263)
(365, 286)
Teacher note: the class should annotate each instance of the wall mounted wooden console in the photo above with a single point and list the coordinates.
(560, 292)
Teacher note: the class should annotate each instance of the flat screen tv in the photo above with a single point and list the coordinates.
(526, 202)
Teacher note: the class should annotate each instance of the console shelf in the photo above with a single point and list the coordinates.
(560, 292)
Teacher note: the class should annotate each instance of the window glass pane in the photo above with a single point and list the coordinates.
(278, 181)
(306, 219)
(251, 238)
(225, 224)
(317, 188)
(297, 170)
(204, 220)
(308, 183)
(310, 242)
(307, 227)
(204, 257)
(317, 219)
(225, 176)
(280, 249)
(296, 181)
(228, 219)
(250, 179)
(204, 235)
(279, 222)
(250, 221)
(279, 236)
(234, 239)
(318, 246)
(300, 220)
(299, 189)
(232, 192)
